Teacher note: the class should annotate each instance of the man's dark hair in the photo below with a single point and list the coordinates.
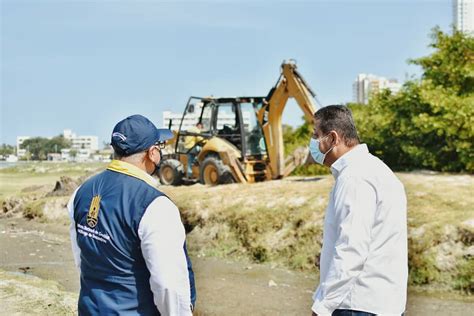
(118, 154)
(338, 118)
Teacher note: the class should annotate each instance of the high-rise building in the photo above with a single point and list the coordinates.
(366, 85)
(463, 14)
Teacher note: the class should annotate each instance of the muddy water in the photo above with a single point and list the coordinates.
(224, 287)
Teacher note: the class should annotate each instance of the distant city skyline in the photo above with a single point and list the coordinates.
(88, 64)
(367, 85)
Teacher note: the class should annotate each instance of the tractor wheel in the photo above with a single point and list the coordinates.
(214, 172)
(171, 172)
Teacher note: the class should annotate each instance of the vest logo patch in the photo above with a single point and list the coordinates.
(92, 216)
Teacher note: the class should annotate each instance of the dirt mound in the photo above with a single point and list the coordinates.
(11, 206)
(65, 186)
(33, 188)
(39, 202)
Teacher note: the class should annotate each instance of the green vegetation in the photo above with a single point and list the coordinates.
(6, 150)
(39, 147)
(428, 124)
(464, 280)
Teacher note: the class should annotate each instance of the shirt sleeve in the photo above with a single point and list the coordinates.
(162, 239)
(76, 251)
(355, 205)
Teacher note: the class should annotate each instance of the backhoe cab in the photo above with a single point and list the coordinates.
(225, 140)
(227, 146)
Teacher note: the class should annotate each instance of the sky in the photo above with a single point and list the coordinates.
(85, 65)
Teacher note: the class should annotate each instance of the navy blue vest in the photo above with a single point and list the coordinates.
(114, 277)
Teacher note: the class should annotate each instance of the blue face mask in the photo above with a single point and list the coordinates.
(158, 165)
(317, 155)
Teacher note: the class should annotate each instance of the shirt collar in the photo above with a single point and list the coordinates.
(354, 154)
(131, 170)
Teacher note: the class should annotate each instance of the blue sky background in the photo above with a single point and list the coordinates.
(85, 65)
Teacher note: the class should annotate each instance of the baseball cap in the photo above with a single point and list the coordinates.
(136, 133)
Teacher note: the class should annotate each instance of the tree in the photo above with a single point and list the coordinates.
(57, 143)
(39, 147)
(430, 122)
(451, 66)
(36, 146)
(6, 150)
(73, 154)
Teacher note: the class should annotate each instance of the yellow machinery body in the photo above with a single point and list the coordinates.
(247, 151)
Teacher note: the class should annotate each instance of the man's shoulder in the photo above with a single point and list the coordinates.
(115, 180)
(371, 170)
(364, 170)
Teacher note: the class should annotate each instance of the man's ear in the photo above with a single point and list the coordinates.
(154, 154)
(336, 138)
(149, 155)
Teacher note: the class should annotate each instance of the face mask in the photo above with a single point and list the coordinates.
(157, 165)
(317, 155)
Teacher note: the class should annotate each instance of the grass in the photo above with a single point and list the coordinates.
(27, 176)
(28, 295)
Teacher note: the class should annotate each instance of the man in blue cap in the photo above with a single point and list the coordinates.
(127, 237)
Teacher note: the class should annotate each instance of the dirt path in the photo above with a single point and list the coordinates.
(224, 287)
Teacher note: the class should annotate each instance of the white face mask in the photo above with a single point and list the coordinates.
(317, 155)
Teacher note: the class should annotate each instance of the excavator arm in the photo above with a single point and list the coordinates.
(290, 85)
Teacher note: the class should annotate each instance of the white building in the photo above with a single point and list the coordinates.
(90, 143)
(366, 85)
(463, 15)
(83, 145)
(175, 118)
(20, 152)
(191, 120)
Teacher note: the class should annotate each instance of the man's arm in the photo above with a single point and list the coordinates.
(76, 251)
(162, 238)
(192, 283)
(355, 206)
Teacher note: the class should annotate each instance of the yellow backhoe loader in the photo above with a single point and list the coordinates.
(238, 139)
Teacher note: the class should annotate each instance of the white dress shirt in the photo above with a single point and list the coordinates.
(162, 237)
(364, 263)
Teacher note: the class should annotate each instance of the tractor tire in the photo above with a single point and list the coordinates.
(214, 172)
(171, 172)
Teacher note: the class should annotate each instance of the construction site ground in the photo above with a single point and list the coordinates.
(38, 277)
(253, 246)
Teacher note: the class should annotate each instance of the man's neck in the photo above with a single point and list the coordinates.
(337, 153)
(139, 164)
